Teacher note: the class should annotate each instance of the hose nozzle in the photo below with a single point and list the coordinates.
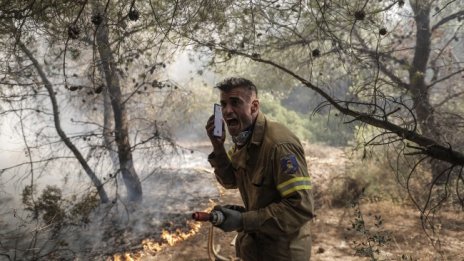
(216, 217)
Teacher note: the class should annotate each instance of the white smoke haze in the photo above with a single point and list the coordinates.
(175, 181)
(176, 187)
(170, 196)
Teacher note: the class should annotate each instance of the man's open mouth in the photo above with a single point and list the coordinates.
(232, 122)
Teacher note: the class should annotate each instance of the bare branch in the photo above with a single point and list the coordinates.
(446, 77)
(447, 19)
(34, 162)
(48, 85)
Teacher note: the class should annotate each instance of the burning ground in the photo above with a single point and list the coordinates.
(180, 186)
(165, 216)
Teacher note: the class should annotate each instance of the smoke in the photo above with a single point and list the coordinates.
(171, 193)
(175, 181)
(179, 186)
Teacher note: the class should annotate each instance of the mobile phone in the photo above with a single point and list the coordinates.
(217, 120)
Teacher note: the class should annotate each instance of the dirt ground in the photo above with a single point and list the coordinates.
(333, 238)
(333, 241)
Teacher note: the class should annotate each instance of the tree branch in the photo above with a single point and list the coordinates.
(445, 78)
(447, 19)
(56, 117)
(430, 147)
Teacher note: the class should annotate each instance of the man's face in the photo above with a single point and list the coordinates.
(239, 109)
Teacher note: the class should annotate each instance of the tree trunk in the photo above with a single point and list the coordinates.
(108, 128)
(130, 177)
(56, 117)
(419, 91)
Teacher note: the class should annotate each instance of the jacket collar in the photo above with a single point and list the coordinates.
(239, 157)
(258, 130)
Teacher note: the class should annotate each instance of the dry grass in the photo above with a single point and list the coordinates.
(337, 180)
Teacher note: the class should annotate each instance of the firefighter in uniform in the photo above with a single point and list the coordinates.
(267, 164)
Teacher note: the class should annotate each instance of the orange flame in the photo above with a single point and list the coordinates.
(151, 247)
(173, 238)
(127, 257)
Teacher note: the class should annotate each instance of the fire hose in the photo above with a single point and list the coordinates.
(216, 218)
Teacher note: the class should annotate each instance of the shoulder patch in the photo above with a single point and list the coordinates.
(288, 164)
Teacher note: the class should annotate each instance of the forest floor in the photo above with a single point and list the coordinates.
(333, 241)
(333, 236)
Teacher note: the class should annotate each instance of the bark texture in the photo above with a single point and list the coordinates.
(418, 87)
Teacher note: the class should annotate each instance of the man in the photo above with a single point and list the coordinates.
(267, 165)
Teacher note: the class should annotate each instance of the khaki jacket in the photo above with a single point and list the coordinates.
(272, 177)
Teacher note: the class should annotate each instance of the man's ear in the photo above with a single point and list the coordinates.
(254, 106)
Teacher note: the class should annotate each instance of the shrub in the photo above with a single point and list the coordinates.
(49, 205)
(317, 127)
(346, 191)
(56, 211)
(381, 178)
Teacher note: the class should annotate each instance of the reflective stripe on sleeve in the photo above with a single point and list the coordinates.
(294, 184)
(230, 152)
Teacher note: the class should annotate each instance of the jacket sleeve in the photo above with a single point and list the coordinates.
(293, 183)
(223, 170)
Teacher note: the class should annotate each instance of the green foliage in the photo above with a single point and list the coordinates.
(315, 128)
(75, 53)
(291, 119)
(48, 205)
(330, 129)
(28, 202)
(382, 179)
(55, 210)
(390, 177)
(81, 211)
(380, 167)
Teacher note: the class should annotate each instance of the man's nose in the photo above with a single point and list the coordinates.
(226, 109)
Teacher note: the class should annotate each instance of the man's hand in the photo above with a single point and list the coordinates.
(238, 208)
(217, 142)
(232, 219)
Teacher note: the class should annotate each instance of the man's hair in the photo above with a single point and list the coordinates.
(234, 82)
